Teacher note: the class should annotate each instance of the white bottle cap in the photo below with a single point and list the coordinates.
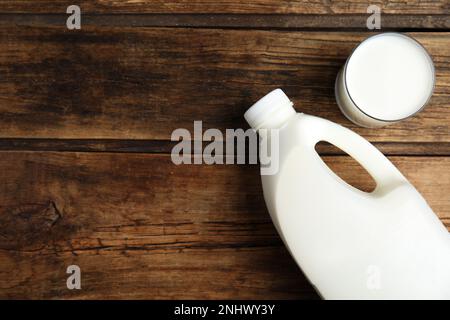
(271, 111)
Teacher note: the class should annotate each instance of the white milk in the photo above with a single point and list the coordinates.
(388, 77)
(385, 244)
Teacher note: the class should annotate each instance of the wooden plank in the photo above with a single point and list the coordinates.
(142, 83)
(140, 227)
(315, 22)
(230, 6)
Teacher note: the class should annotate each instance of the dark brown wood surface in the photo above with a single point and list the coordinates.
(140, 227)
(231, 6)
(85, 124)
(140, 83)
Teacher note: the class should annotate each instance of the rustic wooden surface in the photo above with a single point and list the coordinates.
(140, 227)
(230, 6)
(85, 124)
(140, 83)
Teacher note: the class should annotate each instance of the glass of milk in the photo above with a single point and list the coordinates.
(387, 78)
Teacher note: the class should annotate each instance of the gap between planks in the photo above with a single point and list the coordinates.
(428, 149)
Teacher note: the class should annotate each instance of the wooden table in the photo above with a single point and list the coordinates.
(86, 118)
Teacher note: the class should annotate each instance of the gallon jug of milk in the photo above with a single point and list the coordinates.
(350, 244)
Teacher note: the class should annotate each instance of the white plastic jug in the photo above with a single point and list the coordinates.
(386, 244)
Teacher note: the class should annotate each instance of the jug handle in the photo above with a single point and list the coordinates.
(370, 158)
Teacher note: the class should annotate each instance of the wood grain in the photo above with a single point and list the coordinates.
(142, 83)
(309, 22)
(85, 125)
(141, 227)
(229, 6)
